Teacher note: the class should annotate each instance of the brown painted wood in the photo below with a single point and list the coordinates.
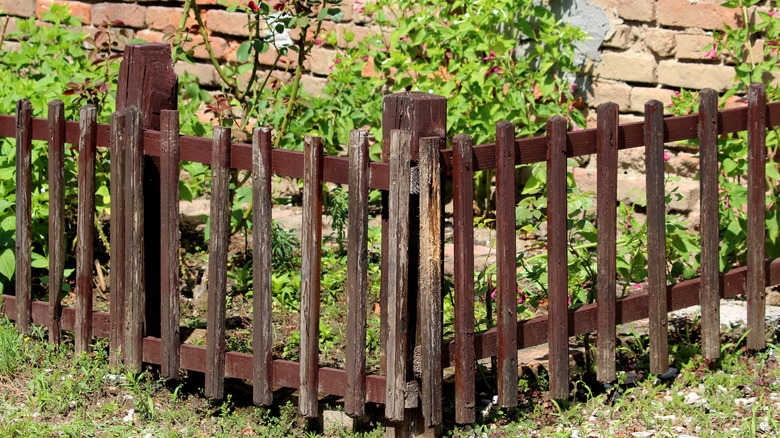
(756, 223)
(463, 225)
(85, 228)
(134, 241)
(219, 239)
(56, 215)
(606, 218)
(118, 250)
(656, 237)
(147, 80)
(506, 265)
(262, 334)
(557, 271)
(430, 280)
(311, 251)
(23, 275)
(169, 250)
(357, 275)
(397, 271)
(708, 180)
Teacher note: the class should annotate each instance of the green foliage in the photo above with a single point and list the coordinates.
(10, 349)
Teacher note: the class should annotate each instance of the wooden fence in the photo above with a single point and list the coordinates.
(145, 151)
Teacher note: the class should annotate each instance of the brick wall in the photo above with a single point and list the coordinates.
(653, 47)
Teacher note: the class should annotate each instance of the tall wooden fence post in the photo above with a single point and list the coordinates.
(147, 80)
(424, 115)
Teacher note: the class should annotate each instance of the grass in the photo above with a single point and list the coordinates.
(50, 392)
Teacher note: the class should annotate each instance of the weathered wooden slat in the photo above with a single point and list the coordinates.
(708, 153)
(219, 238)
(56, 215)
(506, 265)
(606, 218)
(262, 334)
(557, 271)
(311, 252)
(656, 237)
(169, 250)
(430, 280)
(23, 275)
(463, 225)
(134, 240)
(397, 267)
(357, 274)
(85, 228)
(756, 222)
(118, 251)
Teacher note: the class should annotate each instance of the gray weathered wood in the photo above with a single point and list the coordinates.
(169, 250)
(311, 252)
(117, 235)
(557, 274)
(710, 285)
(430, 280)
(357, 274)
(219, 239)
(134, 241)
(463, 225)
(397, 271)
(506, 265)
(56, 215)
(262, 334)
(656, 237)
(606, 218)
(85, 227)
(23, 275)
(756, 226)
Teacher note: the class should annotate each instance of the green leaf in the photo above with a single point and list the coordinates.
(242, 54)
(7, 263)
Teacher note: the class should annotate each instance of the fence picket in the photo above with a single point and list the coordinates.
(134, 240)
(397, 267)
(656, 237)
(262, 331)
(85, 228)
(56, 167)
(558, 327)
(219, 238)
(311, 248)
(23, 275)
(169, 250)
(506, 265)
(463, 225)
(710, 285)
(117, 236)
(606, 218)
(756, 222)
(357, 274)
(430, 280)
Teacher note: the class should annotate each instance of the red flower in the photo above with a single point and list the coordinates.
(253, 6)
(279, 6)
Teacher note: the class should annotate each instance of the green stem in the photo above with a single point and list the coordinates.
(232, 83)
(295, 86)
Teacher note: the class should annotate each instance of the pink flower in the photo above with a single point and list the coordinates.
(666, 156)
(338, 61)
(773, 13)
(773, 43)
(493, 294)
(364, 58)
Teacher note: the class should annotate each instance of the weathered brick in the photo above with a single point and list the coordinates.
(690, 45)
(327, 26)
(76, 9)
(228, 23)
(131, 15)
(313, 85)
(661, 42)
(219, 46)
(205, 74)
(150, 36)
(627, 66)
(606, 91)
(641, 95)
(622, 37)
(633, 10)
(703, 15)
(290, 60)
(356, 33)
(22, 8)
(321, 60)
(158, 17)
(12, 46)
(697, 76)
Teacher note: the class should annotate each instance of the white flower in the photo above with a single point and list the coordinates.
(495, 11)
(466, 15)
(430, 91)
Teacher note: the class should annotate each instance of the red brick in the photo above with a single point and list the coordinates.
(22, 8)
(159, 18)
(131, 15)
(327, 26)
(703, 15)
(322, 60)
(150, 36)
(76, 9)
(228, 23)
(633, 10)
(205, 74)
